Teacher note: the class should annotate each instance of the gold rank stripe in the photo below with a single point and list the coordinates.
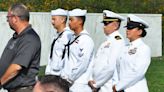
(110, 19)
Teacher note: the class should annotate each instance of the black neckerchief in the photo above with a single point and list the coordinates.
(68, 45)
(53, 43)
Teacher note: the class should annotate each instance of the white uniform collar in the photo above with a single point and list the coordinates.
(84, 31)
(65, 29)
(136, 42)
(112, 34)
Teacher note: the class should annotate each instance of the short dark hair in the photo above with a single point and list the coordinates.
(82, 18)
(21, 11)
(143, 33)
(56, 81)
(65, 21)
(119, 21)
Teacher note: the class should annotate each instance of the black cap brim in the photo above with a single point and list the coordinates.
(134, 25)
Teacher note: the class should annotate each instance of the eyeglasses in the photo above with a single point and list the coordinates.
(130, 27)
(9, 16)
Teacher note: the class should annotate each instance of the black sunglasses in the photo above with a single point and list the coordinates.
(107, 22)
(130, 27)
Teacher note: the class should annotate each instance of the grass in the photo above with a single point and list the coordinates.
(154, 75)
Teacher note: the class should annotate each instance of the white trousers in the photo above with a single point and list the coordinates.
(76, 87)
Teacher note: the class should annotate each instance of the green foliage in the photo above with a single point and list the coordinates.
(93, 6)
(155, 75)
(123, 6)
(155, 72)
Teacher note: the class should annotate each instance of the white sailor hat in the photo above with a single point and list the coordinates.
(77, 12)
(60, 12)
(111, 16)
(134, 21)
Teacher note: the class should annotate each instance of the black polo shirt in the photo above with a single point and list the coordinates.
(23, 49)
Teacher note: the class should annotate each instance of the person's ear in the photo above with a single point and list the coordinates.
(140, 31)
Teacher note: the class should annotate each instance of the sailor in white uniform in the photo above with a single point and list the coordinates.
(55, 64)
(105, 60)
(135, 59)
(79, 54)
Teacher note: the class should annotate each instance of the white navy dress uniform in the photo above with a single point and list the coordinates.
(78, 64)
(107, 54)
(55, 63)
(134, 62)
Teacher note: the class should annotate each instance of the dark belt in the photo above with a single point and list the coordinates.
(121, 91)
(20, 88)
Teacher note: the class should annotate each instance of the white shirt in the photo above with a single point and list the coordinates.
(55, 63)
(78, 64)
(105, 60)
(132, 66)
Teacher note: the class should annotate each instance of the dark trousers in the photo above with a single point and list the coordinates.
(22, 89)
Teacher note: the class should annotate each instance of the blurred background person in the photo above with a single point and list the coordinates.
(21, 58)
(51, 83)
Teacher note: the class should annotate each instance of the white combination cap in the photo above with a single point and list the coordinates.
(77, 12)
(59, 12)
(134, 19)
(109, 16)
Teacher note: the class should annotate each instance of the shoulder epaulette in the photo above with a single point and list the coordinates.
(118, 37)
